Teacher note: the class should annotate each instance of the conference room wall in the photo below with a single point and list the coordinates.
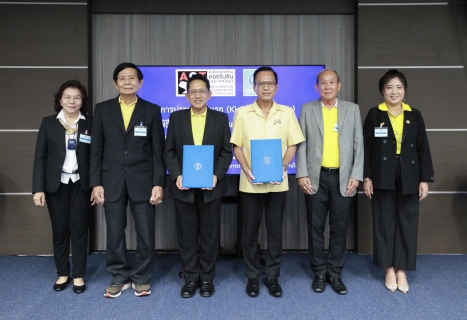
(41, 46)
(425, 41)
(222, 40)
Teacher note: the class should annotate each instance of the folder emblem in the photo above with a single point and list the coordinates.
(267, 160)
(198, 166)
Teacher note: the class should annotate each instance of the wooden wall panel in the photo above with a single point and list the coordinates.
(441, 228)
(28, 95)
(406, 36)
(16, 161)
(437, 93)
(25, 228)
(424, 41)
(34, 29)
(42, 45)
(222, 40)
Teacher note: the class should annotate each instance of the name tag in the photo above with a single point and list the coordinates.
(381, 132)
(84, 138)
(141, 131)
(336, 128)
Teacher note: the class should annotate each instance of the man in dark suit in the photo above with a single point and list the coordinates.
(198, 210)
(127, 164)
(329, 168)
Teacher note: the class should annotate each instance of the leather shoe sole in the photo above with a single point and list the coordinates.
(79, 289)
(319, 284)
(252, 288)
(337, 285)
(275, 289)
(206, 289)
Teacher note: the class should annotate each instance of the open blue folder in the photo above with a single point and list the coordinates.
(266, 160)
(198, 166)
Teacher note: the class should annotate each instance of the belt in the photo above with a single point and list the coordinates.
(330, 170)
(72, 172)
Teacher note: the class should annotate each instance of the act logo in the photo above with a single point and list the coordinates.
(182, 79)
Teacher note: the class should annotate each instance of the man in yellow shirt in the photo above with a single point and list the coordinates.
(127, 167)
(198, 210)
(329, 168)
(264, 119)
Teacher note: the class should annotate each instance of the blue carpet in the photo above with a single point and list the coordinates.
(438, 290)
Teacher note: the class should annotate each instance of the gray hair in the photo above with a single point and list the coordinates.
(324, 70)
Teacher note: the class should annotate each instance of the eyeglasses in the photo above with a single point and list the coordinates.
(269, 84)
(195, 92)
(75, 98)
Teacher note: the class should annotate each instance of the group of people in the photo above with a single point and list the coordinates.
(120, 155)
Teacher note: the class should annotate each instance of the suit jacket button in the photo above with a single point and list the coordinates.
(413, 162)
(125, 152)
(124, 168)
(384, 158)
(384, 141)
(411, 145)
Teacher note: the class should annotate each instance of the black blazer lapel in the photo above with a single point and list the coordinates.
(138, 113)
(60, 132)
(82, 124)
(116, 113)
(384, 117)
(186, 121)
(408, 121)
(209, 126)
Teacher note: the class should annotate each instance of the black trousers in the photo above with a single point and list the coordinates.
(117, 263)
(198, 222)
(252, 206)
(69, 209)
(395, 227)
(328, 199)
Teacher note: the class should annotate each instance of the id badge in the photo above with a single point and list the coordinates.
(84, 138)
(71, 144)
(381, 132)
(141, 131)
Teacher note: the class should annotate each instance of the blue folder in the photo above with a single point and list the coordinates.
(198, 166)
(266, 160)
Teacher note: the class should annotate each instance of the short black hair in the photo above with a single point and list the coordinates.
(388, 76)
(125, 65)
(71, 84)
(261, 69)
(323, 71)
(198, 77)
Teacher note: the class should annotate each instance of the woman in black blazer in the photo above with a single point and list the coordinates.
(61, 178)
(397, 170)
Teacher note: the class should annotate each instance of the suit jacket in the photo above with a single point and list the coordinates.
(51, 151)
(119, 157)
(415, 156)
(216, 132)
(310, 152)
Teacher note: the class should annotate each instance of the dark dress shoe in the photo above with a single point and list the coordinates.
(79, 289)
(61, 286)
(206, 288)
(252, 287)
(189, 289)
(337, 285)
(275, 289)
(318, 284)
